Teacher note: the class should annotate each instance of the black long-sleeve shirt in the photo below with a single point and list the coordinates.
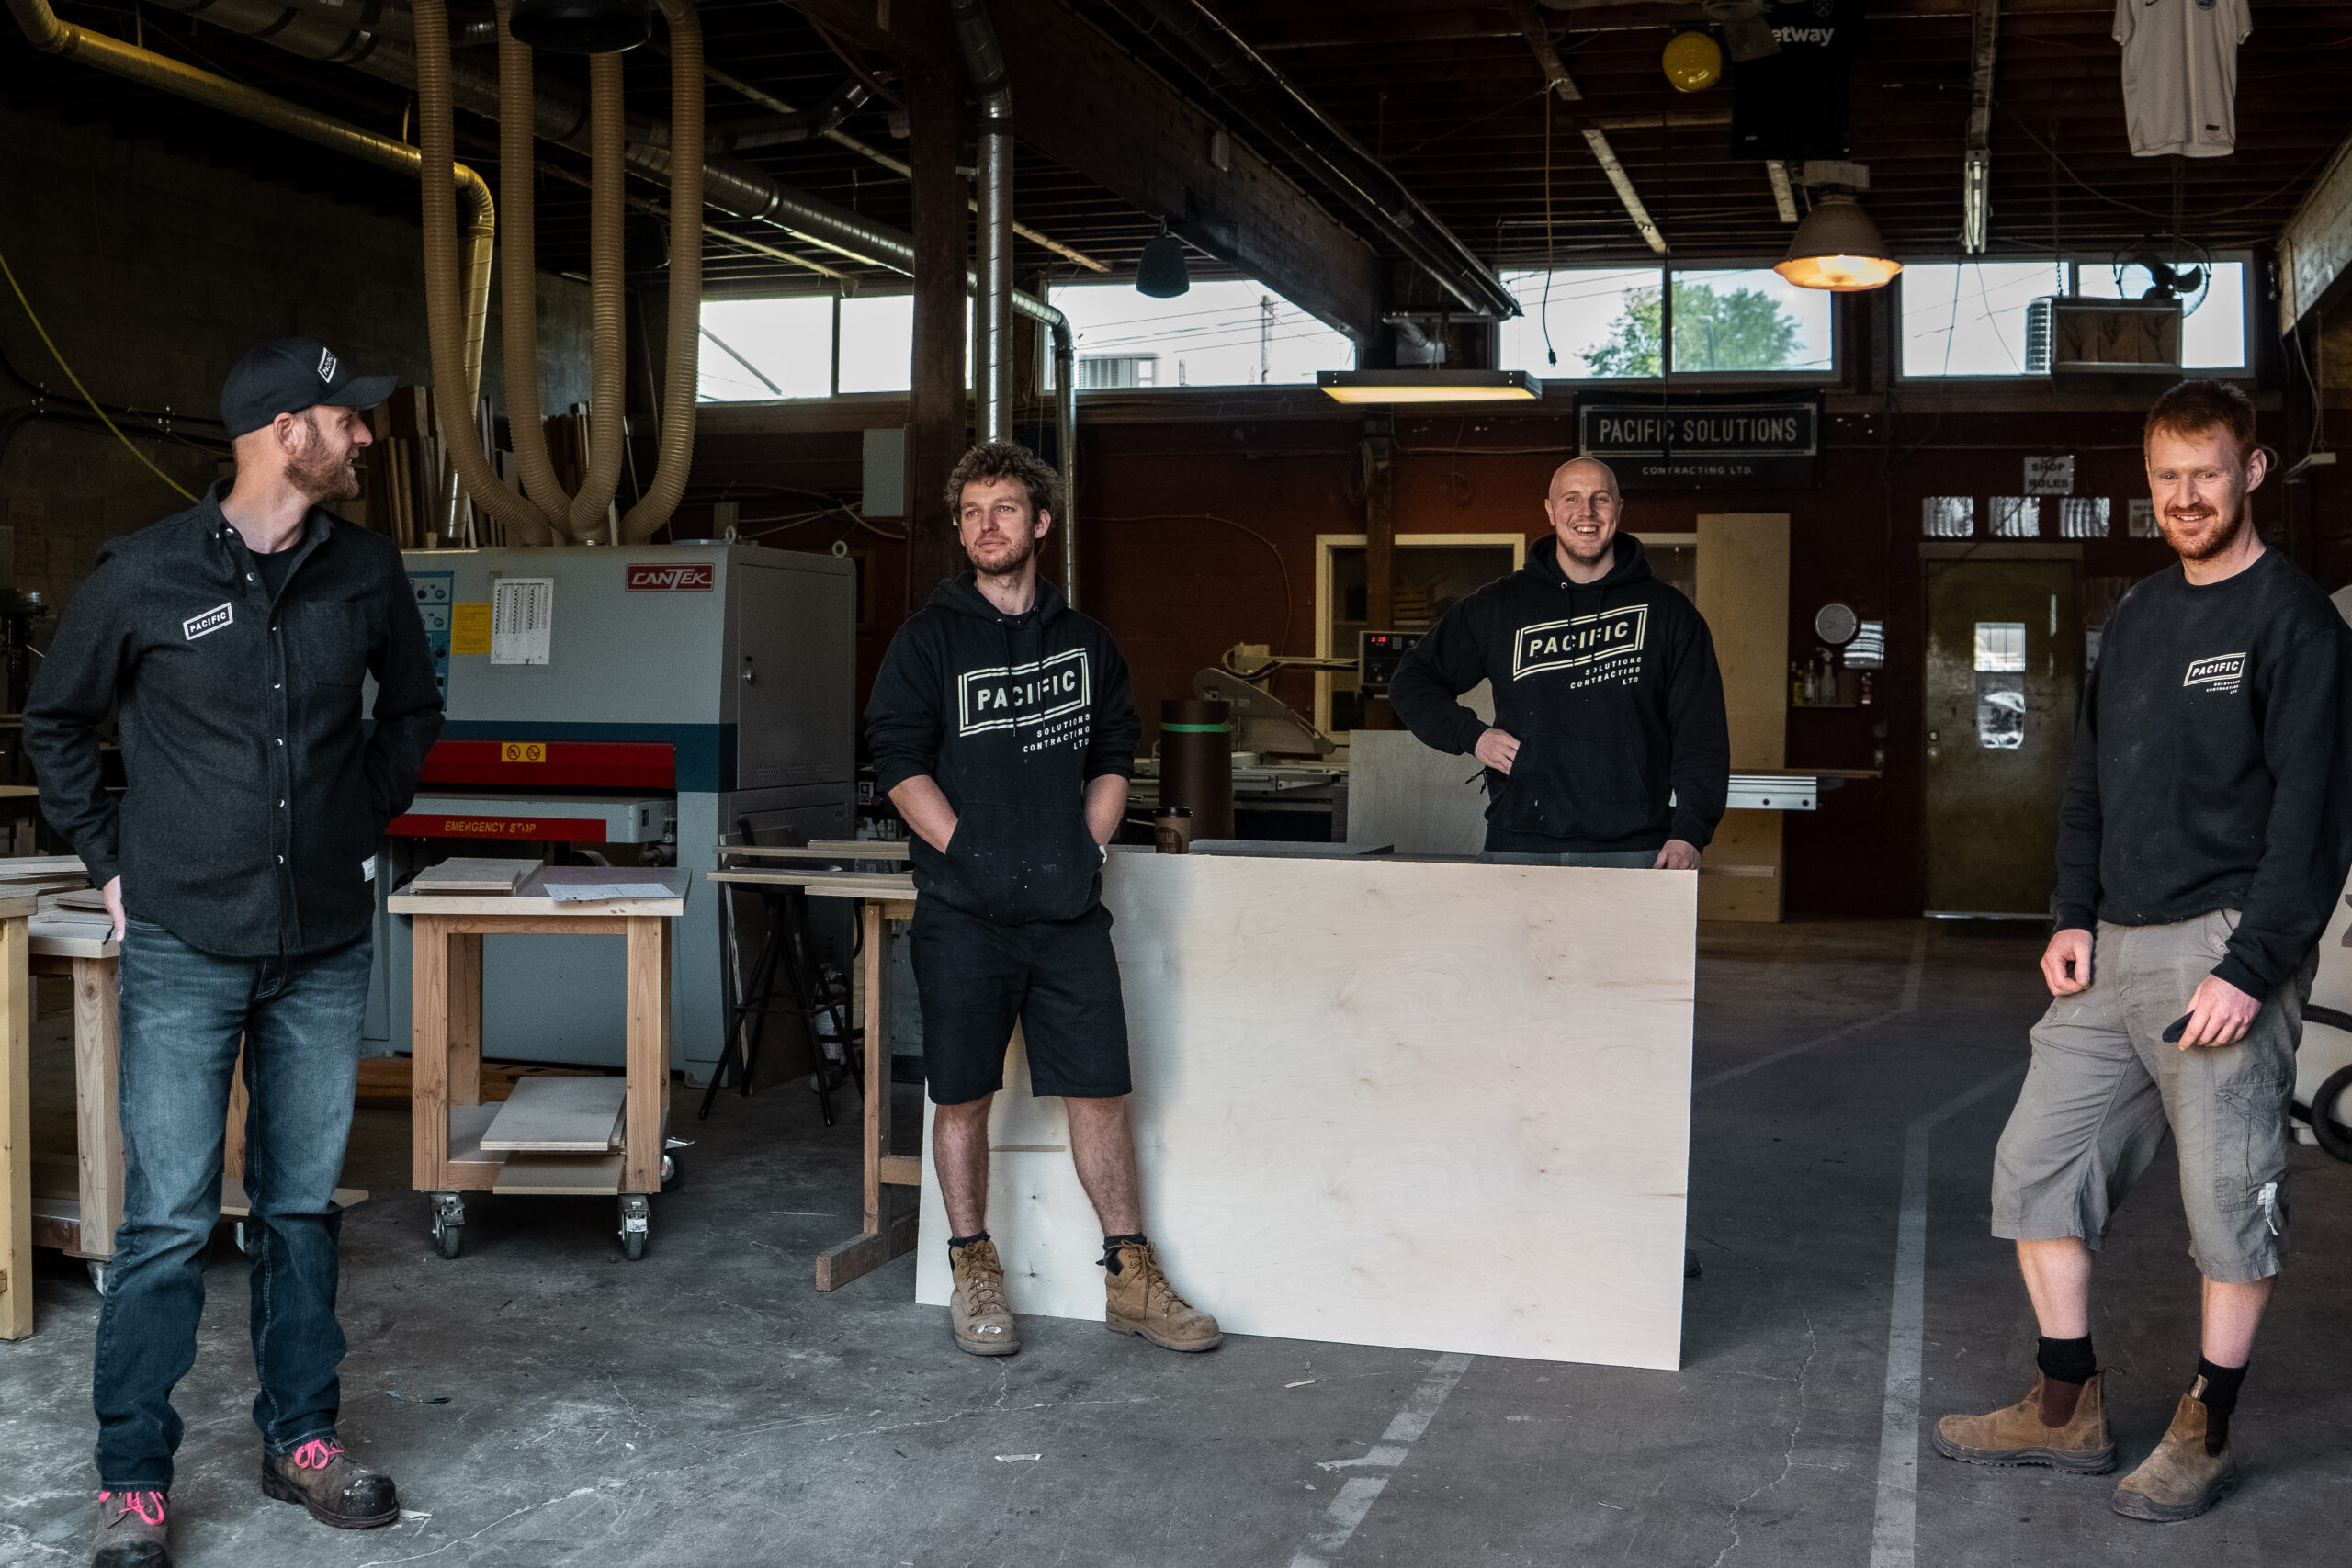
(1612, 690)
(255, 795)
(1012, 717)
(2208, 767)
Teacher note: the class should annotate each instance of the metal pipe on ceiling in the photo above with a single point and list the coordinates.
(1280, 112)
(992, 302)
(469, 299)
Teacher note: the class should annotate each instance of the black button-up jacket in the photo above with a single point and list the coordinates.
(256, 796)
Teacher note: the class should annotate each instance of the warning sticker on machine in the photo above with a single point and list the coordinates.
(470, 628)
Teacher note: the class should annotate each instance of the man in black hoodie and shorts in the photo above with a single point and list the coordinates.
(1610, 747)
(1002, 730)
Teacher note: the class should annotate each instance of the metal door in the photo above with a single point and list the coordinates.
(2004, 675)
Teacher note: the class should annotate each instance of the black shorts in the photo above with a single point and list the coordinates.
(1060, 978)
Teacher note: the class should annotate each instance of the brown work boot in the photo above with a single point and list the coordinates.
(130, 1530)
(978, 1309)
(2017, 1436)
(337, 1490)
(1138, 1299)
(2180, 1480)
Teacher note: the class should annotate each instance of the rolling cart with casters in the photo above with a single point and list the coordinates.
(558, 1144)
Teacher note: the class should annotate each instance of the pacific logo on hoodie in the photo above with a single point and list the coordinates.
(1582, 641)
(1012, 696)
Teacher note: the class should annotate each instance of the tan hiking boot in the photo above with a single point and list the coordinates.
(2015, 1435)
(977, 1310)
(2180, 1480)
(1138, 1299)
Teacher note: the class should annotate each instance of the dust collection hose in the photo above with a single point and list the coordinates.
(525, 524)
(518, 274)
(51, 36)
(608, 361)
(661, 498)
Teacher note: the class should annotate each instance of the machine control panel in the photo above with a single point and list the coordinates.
(1377, 656)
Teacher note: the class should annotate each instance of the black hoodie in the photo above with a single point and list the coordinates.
(1612, 690)
(1013, 716)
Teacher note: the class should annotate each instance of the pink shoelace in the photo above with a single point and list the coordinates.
(317, 1454)
(148, 1506)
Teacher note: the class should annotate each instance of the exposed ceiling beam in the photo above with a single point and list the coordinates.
(1088, 105)
(1976, 161)
(1539, 41)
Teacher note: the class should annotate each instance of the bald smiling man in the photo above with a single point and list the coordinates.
(1609, 746)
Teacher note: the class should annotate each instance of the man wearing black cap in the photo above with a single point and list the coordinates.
(232, 640)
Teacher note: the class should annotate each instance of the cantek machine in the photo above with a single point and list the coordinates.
(635, 704)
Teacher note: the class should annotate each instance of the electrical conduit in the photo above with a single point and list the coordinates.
(661, 498)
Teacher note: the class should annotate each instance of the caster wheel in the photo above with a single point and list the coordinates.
(448, 1224)
(98, 1275)
(674, 1173)
(447, 1239)
(636, 1216)
(633, 1244)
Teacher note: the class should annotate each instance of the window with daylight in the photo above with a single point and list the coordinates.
(1978, 318)
(810, 345)
(2017, 517)
(1220, 332)
(1947, 517)
(1590, 323)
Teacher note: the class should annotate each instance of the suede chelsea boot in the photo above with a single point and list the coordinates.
(2017, 1436)
(2180, 1480)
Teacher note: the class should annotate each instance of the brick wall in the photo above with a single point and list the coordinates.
(153, 270)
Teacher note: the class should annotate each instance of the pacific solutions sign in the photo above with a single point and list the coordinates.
(1696, 443)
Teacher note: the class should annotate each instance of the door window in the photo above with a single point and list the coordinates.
(2000, 685)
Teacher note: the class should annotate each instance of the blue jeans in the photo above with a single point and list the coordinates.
(182, 1013)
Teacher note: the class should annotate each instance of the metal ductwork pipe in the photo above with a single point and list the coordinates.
(608, 301)
(525, 524)
(661, 498)
(1066, 442)
(466, 306)
(992, 304)
(1266, 98)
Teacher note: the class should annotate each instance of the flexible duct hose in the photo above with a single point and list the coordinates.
(453, 367)
(608, 388)
(661, 498)
(518, 279)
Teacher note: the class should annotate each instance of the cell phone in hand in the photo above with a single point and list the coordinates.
(2179, 1027)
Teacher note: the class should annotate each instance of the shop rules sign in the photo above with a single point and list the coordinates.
(1704, 443)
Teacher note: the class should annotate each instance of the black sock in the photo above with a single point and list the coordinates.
(2222, 1383)
(1111, 1245)
(2066, 1360)
(955, 1241)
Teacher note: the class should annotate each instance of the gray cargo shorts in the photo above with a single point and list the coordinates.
(2104, 1086)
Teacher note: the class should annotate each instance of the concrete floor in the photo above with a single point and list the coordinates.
(708, 1406)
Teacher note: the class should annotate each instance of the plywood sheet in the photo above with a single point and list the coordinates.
(474, 874)
(1743, 595)
(1434, 1106)
(559, 1176)
(553, 1116)
(1423, 801)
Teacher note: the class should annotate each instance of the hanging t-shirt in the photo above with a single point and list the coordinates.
(1791, 105)
(2180, 74)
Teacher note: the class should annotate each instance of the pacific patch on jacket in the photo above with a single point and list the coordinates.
(2219, 672)
(1583, 641)
(211, 621)
(1014, 696)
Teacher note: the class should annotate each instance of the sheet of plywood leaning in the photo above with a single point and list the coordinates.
(1431, 1106)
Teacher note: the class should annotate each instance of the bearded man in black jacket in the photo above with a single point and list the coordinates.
(2203, 839)
(232, 640)
(1610, 746)
(1002, 730)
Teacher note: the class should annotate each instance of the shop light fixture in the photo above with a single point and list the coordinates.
(1420, 386)
(1839, 248)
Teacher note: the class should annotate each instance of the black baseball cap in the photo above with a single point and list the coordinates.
(289, 376)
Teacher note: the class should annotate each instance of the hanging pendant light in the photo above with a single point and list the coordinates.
(581, 26)
(1839, 248)
(1161, 271)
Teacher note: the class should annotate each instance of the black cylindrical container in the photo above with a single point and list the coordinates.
(1196, 763)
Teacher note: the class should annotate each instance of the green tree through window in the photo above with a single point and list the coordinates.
(1743, 329)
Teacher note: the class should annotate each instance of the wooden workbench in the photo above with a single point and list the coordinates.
(16, 1119)
(882, 897)
(447, 1117)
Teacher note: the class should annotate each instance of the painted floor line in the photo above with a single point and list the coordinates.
(1909, 1002)
(1356, 1498)
(1895, 1530)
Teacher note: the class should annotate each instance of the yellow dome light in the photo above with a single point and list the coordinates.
(1839, 248)
(1693, 62)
